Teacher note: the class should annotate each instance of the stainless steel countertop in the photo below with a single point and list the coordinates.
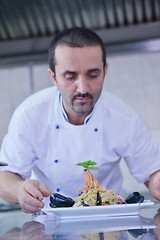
(16, 225)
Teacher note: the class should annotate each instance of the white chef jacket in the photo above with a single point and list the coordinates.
(42, 144)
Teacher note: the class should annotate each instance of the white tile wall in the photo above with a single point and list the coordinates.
(19, 85)
(40, 76)
(150, 68)
(5, 102)
(134, 78)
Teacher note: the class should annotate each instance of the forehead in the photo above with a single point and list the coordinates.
(78, 57)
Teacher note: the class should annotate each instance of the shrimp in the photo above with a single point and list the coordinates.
(90, 182)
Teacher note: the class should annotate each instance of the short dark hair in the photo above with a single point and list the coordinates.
(75, 37)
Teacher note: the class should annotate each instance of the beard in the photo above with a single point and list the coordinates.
(82, 107)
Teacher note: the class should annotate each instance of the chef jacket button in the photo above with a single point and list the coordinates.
(58, 190)
(57, 126)
(96, 129)
(56, 160)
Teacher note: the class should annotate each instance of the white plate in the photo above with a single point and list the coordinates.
(98, 211)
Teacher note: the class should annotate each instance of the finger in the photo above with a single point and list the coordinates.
(29, 204)
(44, 190)
(34, 191)
(27, 208)
(30, 200)
(37, 189)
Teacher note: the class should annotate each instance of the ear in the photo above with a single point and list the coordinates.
(52, 76)
(105, 69)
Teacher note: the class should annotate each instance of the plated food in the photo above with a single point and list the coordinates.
(92, 194)
(94, 197)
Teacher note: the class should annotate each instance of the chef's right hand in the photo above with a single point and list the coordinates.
(30, 195)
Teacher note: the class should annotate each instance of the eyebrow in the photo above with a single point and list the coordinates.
(94, 70)
(89, 71)
(69, 72)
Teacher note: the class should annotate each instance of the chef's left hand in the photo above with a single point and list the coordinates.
(154, 185)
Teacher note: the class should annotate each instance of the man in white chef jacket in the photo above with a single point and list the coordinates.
(74, 121)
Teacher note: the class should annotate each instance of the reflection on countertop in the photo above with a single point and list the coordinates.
(20, 226)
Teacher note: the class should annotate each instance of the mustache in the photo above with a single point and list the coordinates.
(84, 95)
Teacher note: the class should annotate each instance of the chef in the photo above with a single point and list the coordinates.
(72, 122)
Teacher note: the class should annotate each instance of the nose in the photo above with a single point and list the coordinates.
(82, 85)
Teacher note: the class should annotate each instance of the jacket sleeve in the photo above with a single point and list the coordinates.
(17, 149)
(141, 152)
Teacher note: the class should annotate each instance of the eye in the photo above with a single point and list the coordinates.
(93, 75)
(70, 76)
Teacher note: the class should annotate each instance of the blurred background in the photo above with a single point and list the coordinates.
(130, 30)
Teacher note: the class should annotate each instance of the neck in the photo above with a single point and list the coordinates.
(77, 120)
(74, 117)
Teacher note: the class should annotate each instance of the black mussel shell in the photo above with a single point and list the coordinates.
(135, 197)
(99, 200)
(58, 200)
